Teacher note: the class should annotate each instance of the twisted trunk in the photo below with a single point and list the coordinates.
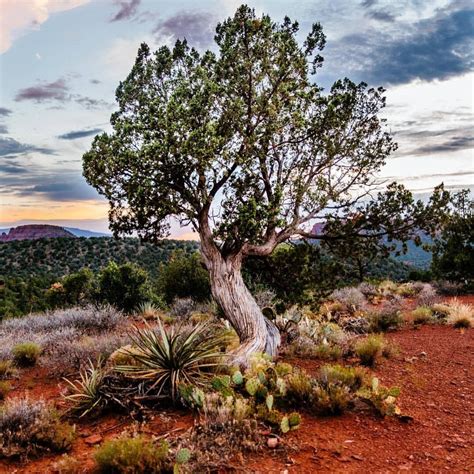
(256, 333)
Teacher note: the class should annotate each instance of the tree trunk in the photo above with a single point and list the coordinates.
(256, 333)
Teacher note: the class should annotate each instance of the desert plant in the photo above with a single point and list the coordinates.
(7, 369)
(352, 298)
(148, 310)
(85, 394)
(386, 318)
(440, 311)
(327, 351)
(460, 315)
(5, 388)
(422, 315)
(182, 307)
(26, 354)
(351, 377)
(172, 357)
(369, 349)
(299, 388)
(126, 455)
(427, 296)
(32, 427)
(68, 465)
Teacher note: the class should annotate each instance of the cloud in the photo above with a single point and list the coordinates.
(74, 135)
(4, 111)
(57, 90)
(11, 147)
(12, 168)
(127, 10)
(438, 47)
(452, 144)
(95, 81)
(72, 189)
(196, 27)
(19, 17)
(381, 15)
(3, 129)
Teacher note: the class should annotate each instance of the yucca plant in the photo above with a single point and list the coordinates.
(172, 357)
(85, 394)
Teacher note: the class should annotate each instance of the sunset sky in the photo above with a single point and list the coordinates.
(61, 60)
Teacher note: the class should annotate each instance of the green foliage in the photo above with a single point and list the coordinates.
(386, 318)
(26, 354)
(85, 394)
(5, 388)
(6, 369)
(173, 356)
(123, 286)
(73, 289)
(383, 399)
(422, 315)
(132, 455)
(183, 276)
(453, 250)
(369, 349)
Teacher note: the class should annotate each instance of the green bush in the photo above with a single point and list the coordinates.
(183, 277)
(5, 388)
(422, 315)
(369, 349)
(123, 286)
(6, 369)
(26, 354)
(385, 319)
(131, 456)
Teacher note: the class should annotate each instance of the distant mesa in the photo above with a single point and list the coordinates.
(35, 231)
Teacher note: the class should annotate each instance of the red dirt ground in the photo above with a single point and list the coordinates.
(434, 368)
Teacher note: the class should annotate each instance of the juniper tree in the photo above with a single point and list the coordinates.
(244, 146)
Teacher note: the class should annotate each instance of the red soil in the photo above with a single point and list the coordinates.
(434, 368)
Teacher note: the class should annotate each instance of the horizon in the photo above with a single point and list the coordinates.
(421, 53)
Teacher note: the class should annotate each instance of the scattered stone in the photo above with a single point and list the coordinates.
(272, 443)
(357, 457)
(93, 439)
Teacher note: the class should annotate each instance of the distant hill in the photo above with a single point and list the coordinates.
(86, 233)
(56, 257)
(35, 231)
(73, 230)
(416, 256)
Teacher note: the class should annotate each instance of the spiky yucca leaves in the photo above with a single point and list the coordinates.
(171, 357)
(85, 394)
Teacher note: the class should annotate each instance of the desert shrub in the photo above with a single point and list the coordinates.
(369, 349)
(352, 298)
(387, 287)
(31, 427)
(299, 388)
(123, 286)
(72, 355)
(173, 356)
(328, 351)
(367, 289)
(460, 315)
(386, 318)
(184, 276)
(440, 311)
(355, 324)
(407, 289)
(448, 288)
(182, 307)
(68, 465)
(427, 296)
(126, 455)
(331, 399)
(5, 388)
(422, 315)
(85, 394)
(265, 298)
(73, 289)
(7, 369)
(351, 377)
(218, 411)
(26, 354)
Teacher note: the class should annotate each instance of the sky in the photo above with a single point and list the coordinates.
(61, 61)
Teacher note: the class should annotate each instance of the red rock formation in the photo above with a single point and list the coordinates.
(35, 231)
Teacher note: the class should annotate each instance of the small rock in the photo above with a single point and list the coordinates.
(94, 439)
(272, 443)
(422, 354)
(359, 458)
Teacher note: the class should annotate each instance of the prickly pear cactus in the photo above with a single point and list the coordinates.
(237, 378)
(252, 385)
(269, 402)
(285, 425)
(294, 419)
(183, 456)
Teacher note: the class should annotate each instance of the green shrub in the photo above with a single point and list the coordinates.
(6, 369)
(422, 315)
(331, 399)
(299, 388)
(351, 377)
(385, 319)
(369, 349)
(184, 276)
(123, 286)
(131, 455)
(5, 388)
(26, 354)
(328, 352)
